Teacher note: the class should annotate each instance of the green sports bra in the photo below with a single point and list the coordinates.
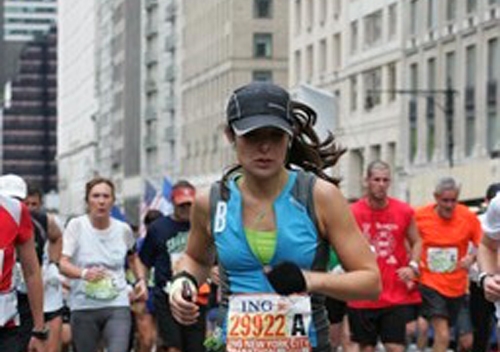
(262, 244)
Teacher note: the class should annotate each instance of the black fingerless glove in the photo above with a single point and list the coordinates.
(287, 278)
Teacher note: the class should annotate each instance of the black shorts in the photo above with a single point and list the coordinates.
(9, 340)
(435, 304)
(414, 311)
(388, 324)
(52, 315)
(336, 310)
(66, 314)
(171, 333)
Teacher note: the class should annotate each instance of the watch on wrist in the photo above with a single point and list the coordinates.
(482, 276)
(41, 334)
(414, 266)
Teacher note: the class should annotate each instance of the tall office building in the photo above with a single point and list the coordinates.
(353, 52)
(76, 102)
(25, 20)
(389, 64)
(99, 99)
(2, 51)
(30, 115)
(228, 43)
(22, 21)
(456, 45)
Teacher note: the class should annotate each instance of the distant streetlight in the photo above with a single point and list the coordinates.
(449, 96)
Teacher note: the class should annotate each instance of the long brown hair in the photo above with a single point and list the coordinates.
(307, 151)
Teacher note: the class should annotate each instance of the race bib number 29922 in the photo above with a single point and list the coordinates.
(268, 322)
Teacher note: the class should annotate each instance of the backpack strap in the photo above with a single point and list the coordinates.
(303, 190)
(215, 197)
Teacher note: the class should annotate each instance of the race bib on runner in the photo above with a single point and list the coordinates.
(102, 290)
(442, 259)
(268, 323)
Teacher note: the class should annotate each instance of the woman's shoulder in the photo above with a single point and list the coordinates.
(325, 190)
(76, 221)
(119, 225)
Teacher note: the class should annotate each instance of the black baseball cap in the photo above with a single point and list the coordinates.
(257, 105)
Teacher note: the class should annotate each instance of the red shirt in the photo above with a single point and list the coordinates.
(386, 230)
(15, 228)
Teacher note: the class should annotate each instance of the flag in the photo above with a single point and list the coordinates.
(147, 200)
(162, 200)
(117, 213)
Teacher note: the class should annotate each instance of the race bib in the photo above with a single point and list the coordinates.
(102, 290)
(442, 259)
(268, 323)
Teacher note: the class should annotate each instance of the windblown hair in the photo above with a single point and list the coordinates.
(307, 151)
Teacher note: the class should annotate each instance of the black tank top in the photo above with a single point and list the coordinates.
(40, 226)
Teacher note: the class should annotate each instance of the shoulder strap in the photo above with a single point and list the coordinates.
(215, 197)
(303, 190)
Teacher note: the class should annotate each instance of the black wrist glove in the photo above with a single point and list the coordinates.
(287, 278)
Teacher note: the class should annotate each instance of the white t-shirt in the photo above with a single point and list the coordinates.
(490, 221)
(87, 246)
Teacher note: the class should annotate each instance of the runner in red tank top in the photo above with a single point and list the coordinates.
(389, 226)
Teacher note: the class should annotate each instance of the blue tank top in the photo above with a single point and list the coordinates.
(297, 240)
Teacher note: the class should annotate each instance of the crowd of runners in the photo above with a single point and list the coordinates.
(271, 258)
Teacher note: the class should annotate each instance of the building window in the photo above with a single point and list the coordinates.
(337, 8)
(322, 11)
(298, 66)
(298, 16)
(471, 6)
(356, 167)
(470, 68)
(337, 51)
(373, 28)
(309, 14)
(392, 81)
(431, 14)
(262, 8)
(263, 45)
(262, 76)
(393, 20)
(322, 56)
(413, 17)
(431, 120)
(354, 37)
(354, 93)
(450, 68)
(413, 112)
(493, 69)
(309, 63)
(372, 83)
(470, 123)
(451, 10)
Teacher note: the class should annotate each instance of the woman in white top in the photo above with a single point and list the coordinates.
(93, 257)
